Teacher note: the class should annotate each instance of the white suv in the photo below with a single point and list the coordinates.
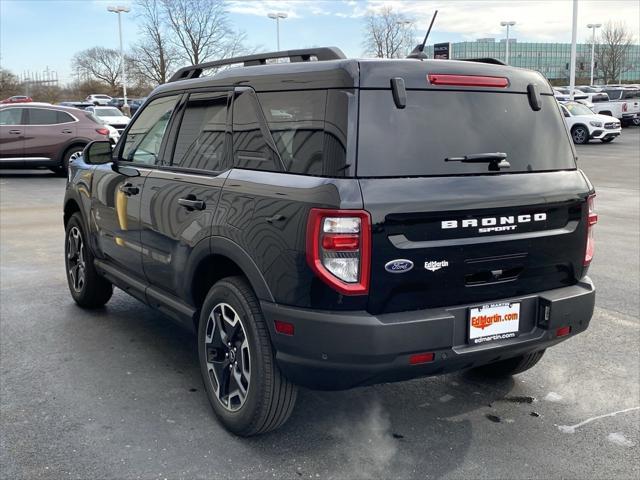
(585, 125)
(98, 99)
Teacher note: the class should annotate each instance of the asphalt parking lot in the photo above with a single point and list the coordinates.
(116, 393)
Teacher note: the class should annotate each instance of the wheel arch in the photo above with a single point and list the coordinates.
(224, 258)
(70, 207)
(76, 142)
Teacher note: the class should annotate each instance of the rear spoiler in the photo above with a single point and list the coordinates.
(492, 61)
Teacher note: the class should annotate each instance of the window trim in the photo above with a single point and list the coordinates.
(117, 153)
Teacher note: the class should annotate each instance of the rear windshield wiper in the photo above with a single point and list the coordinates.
(496, 160)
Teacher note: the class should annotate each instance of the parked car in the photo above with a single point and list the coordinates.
(111, 116)
(41, 135)
(135, 104)
(74, 104)
(627, 101)
(325, 223)
(586, 125)
(17, 99)
(98, 99)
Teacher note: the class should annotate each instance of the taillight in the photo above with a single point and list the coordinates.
(467, 80)
(102, 131)
(624, 107)
(339, 248)
(592, 219)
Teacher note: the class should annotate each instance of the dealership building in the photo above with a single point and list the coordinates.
(551, 59)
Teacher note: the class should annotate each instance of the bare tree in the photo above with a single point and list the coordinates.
(611, 52)
(9, 84)
(200, 29)
(155, 56)
(388, 34)
(99, 63)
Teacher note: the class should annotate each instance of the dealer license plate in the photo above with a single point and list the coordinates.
(497, 321)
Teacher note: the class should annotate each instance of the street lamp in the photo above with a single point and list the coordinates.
(119, 10)
(277, 17)
(508, 24)
(593, 27)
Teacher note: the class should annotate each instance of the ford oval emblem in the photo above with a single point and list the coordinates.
(398, 266)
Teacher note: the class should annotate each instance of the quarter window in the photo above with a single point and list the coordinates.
(144, 138)
(11, 116)
(201, 139)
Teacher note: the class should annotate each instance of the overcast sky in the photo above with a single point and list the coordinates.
(36, 34)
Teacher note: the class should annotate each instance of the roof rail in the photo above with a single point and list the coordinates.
(304, 55)
(493, 61)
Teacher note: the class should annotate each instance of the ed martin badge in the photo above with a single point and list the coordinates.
(433, 265)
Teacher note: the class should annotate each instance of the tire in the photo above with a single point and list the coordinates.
(87, 287)
(510, 366)
(607, 140)
(70, 154)
(636, 121)
(231, 310)
(580, 135)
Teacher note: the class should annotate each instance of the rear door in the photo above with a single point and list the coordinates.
(47, 132)
(180, 197)
(12, 136)
(472, 232)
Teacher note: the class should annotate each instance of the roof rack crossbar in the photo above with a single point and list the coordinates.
(303, 55)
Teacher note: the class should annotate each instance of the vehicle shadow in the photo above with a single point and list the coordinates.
(416, 429)
(28, 174)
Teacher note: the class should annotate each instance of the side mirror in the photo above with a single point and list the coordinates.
(98, 153)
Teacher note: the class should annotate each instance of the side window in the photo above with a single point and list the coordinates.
(296, 121)
(201, 138)
(64, 117)
(565, 111)
(42, 116)
(144, 138)
(11, 116)
(250, 149)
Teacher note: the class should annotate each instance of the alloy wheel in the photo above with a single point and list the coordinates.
(227, 356)
(74, 156)
(76, 265)
(579, 135)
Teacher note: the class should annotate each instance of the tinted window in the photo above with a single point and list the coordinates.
(250, 148)
(296, 121)
(435, 125)
(201, 139)
(630, 94)
(64, 117)
(144, 138)
(11, 116)
(42, 116)
(614, 94)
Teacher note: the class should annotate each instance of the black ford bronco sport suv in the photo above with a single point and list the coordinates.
(334, 222)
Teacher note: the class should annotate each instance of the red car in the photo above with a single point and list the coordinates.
(17, 99)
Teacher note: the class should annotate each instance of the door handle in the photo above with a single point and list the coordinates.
(129, 189)
(191, 203)
(67, 131)
(15, 132)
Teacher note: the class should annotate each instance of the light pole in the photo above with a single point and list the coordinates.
(593, 27)
(506, 48)
(277, 17)
(572, 62)
(120, 10)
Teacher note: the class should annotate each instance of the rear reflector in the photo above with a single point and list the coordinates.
(284, 328)
(467, 80)
(563, 331)
(418, 358)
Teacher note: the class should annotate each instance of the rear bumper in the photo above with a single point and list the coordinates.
(339, 350)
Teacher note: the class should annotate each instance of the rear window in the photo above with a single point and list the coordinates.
(435, 125)
(614, 94)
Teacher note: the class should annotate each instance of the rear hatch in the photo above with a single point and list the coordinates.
(449, 232)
